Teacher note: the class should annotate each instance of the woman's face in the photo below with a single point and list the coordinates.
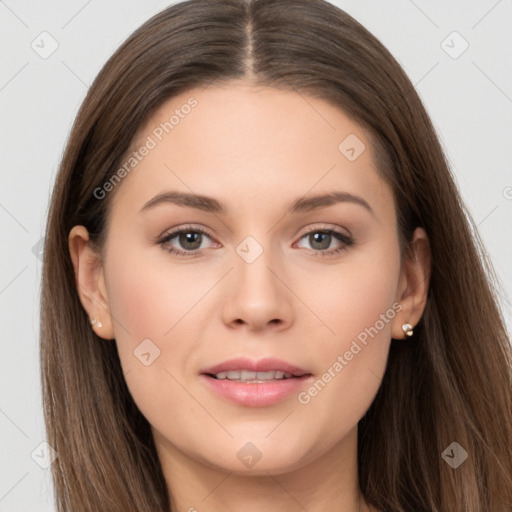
(274, 280)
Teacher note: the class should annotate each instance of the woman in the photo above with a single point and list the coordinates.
(330, 340)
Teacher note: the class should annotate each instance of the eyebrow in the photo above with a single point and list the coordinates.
(211, 205)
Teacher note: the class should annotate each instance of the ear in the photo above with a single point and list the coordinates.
(413, 284)
(90, 281)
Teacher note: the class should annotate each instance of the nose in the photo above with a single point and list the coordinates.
(258, 296)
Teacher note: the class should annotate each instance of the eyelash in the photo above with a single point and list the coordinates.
(345, 239)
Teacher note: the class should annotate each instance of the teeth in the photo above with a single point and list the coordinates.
(248, 376)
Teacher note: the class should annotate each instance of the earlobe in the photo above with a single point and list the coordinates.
(90, 281)
(414, 285)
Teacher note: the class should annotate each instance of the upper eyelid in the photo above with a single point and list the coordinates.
(331, 228)
(171, 233)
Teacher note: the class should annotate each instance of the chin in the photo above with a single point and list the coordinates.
(257, 456)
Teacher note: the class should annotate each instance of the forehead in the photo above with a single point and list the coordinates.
(239, 141)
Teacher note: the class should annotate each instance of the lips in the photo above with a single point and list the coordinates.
(255, 383)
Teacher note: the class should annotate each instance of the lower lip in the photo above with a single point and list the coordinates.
(256, 394)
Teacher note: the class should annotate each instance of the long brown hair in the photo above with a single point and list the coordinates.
(451, 382)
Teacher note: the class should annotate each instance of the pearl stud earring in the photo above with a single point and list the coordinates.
(96, 322)
(408, 331)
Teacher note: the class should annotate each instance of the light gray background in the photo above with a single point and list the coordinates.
(469, 99)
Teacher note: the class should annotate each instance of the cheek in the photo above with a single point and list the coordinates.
(152, 310)
(353, 298)
(358, 306)
(149, 298)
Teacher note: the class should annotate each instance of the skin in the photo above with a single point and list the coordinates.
(257, 150)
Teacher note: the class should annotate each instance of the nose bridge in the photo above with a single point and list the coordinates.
(257, 295)
(253, 266)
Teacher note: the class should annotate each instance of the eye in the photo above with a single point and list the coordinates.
(321, 239)
(188, 237)
(191, 240)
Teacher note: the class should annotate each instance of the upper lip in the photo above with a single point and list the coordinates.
(261, 365)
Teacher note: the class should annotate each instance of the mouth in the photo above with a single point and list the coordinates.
(243, 369)
(252, 377)
(255, 383)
